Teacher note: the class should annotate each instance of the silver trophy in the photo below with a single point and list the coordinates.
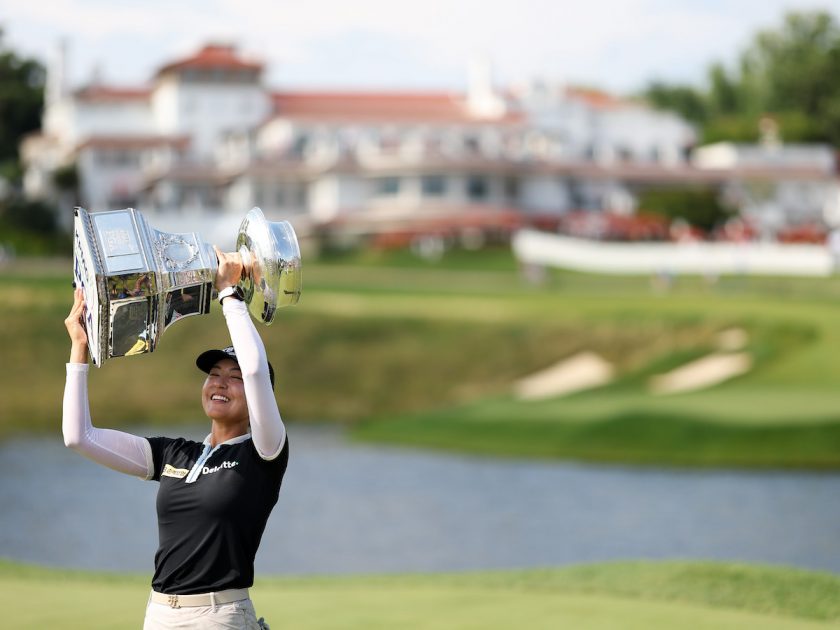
(138, 281)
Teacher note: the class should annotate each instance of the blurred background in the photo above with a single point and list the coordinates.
(568, 333)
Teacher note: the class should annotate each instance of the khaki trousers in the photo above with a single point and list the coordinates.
(234, 616)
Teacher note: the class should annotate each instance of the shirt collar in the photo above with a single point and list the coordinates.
(237, 440)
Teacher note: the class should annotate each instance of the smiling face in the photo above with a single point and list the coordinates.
(223, 394)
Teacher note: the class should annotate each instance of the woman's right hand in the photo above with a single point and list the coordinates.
(76, 330)
(229, 271)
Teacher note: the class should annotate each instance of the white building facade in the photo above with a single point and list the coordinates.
(207, 139)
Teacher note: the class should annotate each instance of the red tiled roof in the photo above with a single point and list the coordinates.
(132, 142)
(594, 97)
(98, 92)
(433, 107)
(213, 56)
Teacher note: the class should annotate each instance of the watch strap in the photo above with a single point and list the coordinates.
(234, 292)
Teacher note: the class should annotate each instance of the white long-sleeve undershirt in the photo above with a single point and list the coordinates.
(132, 454)
(119, 450)
(267, 429)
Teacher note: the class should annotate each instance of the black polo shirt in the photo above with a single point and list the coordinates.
(212, 506)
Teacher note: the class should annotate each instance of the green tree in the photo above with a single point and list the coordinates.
(21, 99)
(789, 73)
(26, 227)
(685, 100)
(699, 207)
(29, 228)
(724, 97)
(797, 64)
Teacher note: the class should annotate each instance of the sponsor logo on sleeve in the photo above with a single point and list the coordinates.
(170, 471)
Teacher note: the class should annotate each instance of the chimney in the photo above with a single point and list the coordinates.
(482, 99)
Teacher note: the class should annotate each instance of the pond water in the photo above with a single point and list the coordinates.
(348, 507)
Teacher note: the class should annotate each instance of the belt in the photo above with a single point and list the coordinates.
(201, 599)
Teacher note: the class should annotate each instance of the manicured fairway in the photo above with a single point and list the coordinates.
(624, 595)
(427, 355)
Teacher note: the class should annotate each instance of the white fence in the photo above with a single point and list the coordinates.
(773, 259)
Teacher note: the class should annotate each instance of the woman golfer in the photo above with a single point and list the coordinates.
(214, 497)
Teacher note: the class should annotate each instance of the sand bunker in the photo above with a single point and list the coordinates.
(581, 371)
(710, 370)
(586, 370)
(732, 339)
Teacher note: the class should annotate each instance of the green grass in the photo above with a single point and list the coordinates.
(426, 354)
(631, 438)
(617, 595)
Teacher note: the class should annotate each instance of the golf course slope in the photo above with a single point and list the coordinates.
(623, 595)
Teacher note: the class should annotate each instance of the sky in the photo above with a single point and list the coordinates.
(617, 45)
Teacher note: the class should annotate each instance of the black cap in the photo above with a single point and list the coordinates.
(207, 359)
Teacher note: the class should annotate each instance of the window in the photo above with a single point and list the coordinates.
(433, 185)
(511, 188)
(117, 158)
(122, 200)
(302, 196)
(472, 144)
(477, 187)
(388, 186)
(389, 139)
(300, 145)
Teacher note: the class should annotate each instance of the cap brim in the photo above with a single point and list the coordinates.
(207, 359)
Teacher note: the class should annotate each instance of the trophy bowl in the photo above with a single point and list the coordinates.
(271, 265)
(138, 281)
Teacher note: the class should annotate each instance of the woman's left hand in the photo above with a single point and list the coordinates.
(76, 329)
(229, 271)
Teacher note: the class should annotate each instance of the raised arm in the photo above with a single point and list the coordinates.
(118, 450)
(267, 429)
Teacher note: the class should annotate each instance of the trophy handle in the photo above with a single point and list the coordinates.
(271, 276)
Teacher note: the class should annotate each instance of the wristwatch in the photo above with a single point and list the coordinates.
(234, 292)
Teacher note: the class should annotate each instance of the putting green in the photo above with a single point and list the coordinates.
(621, 595)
